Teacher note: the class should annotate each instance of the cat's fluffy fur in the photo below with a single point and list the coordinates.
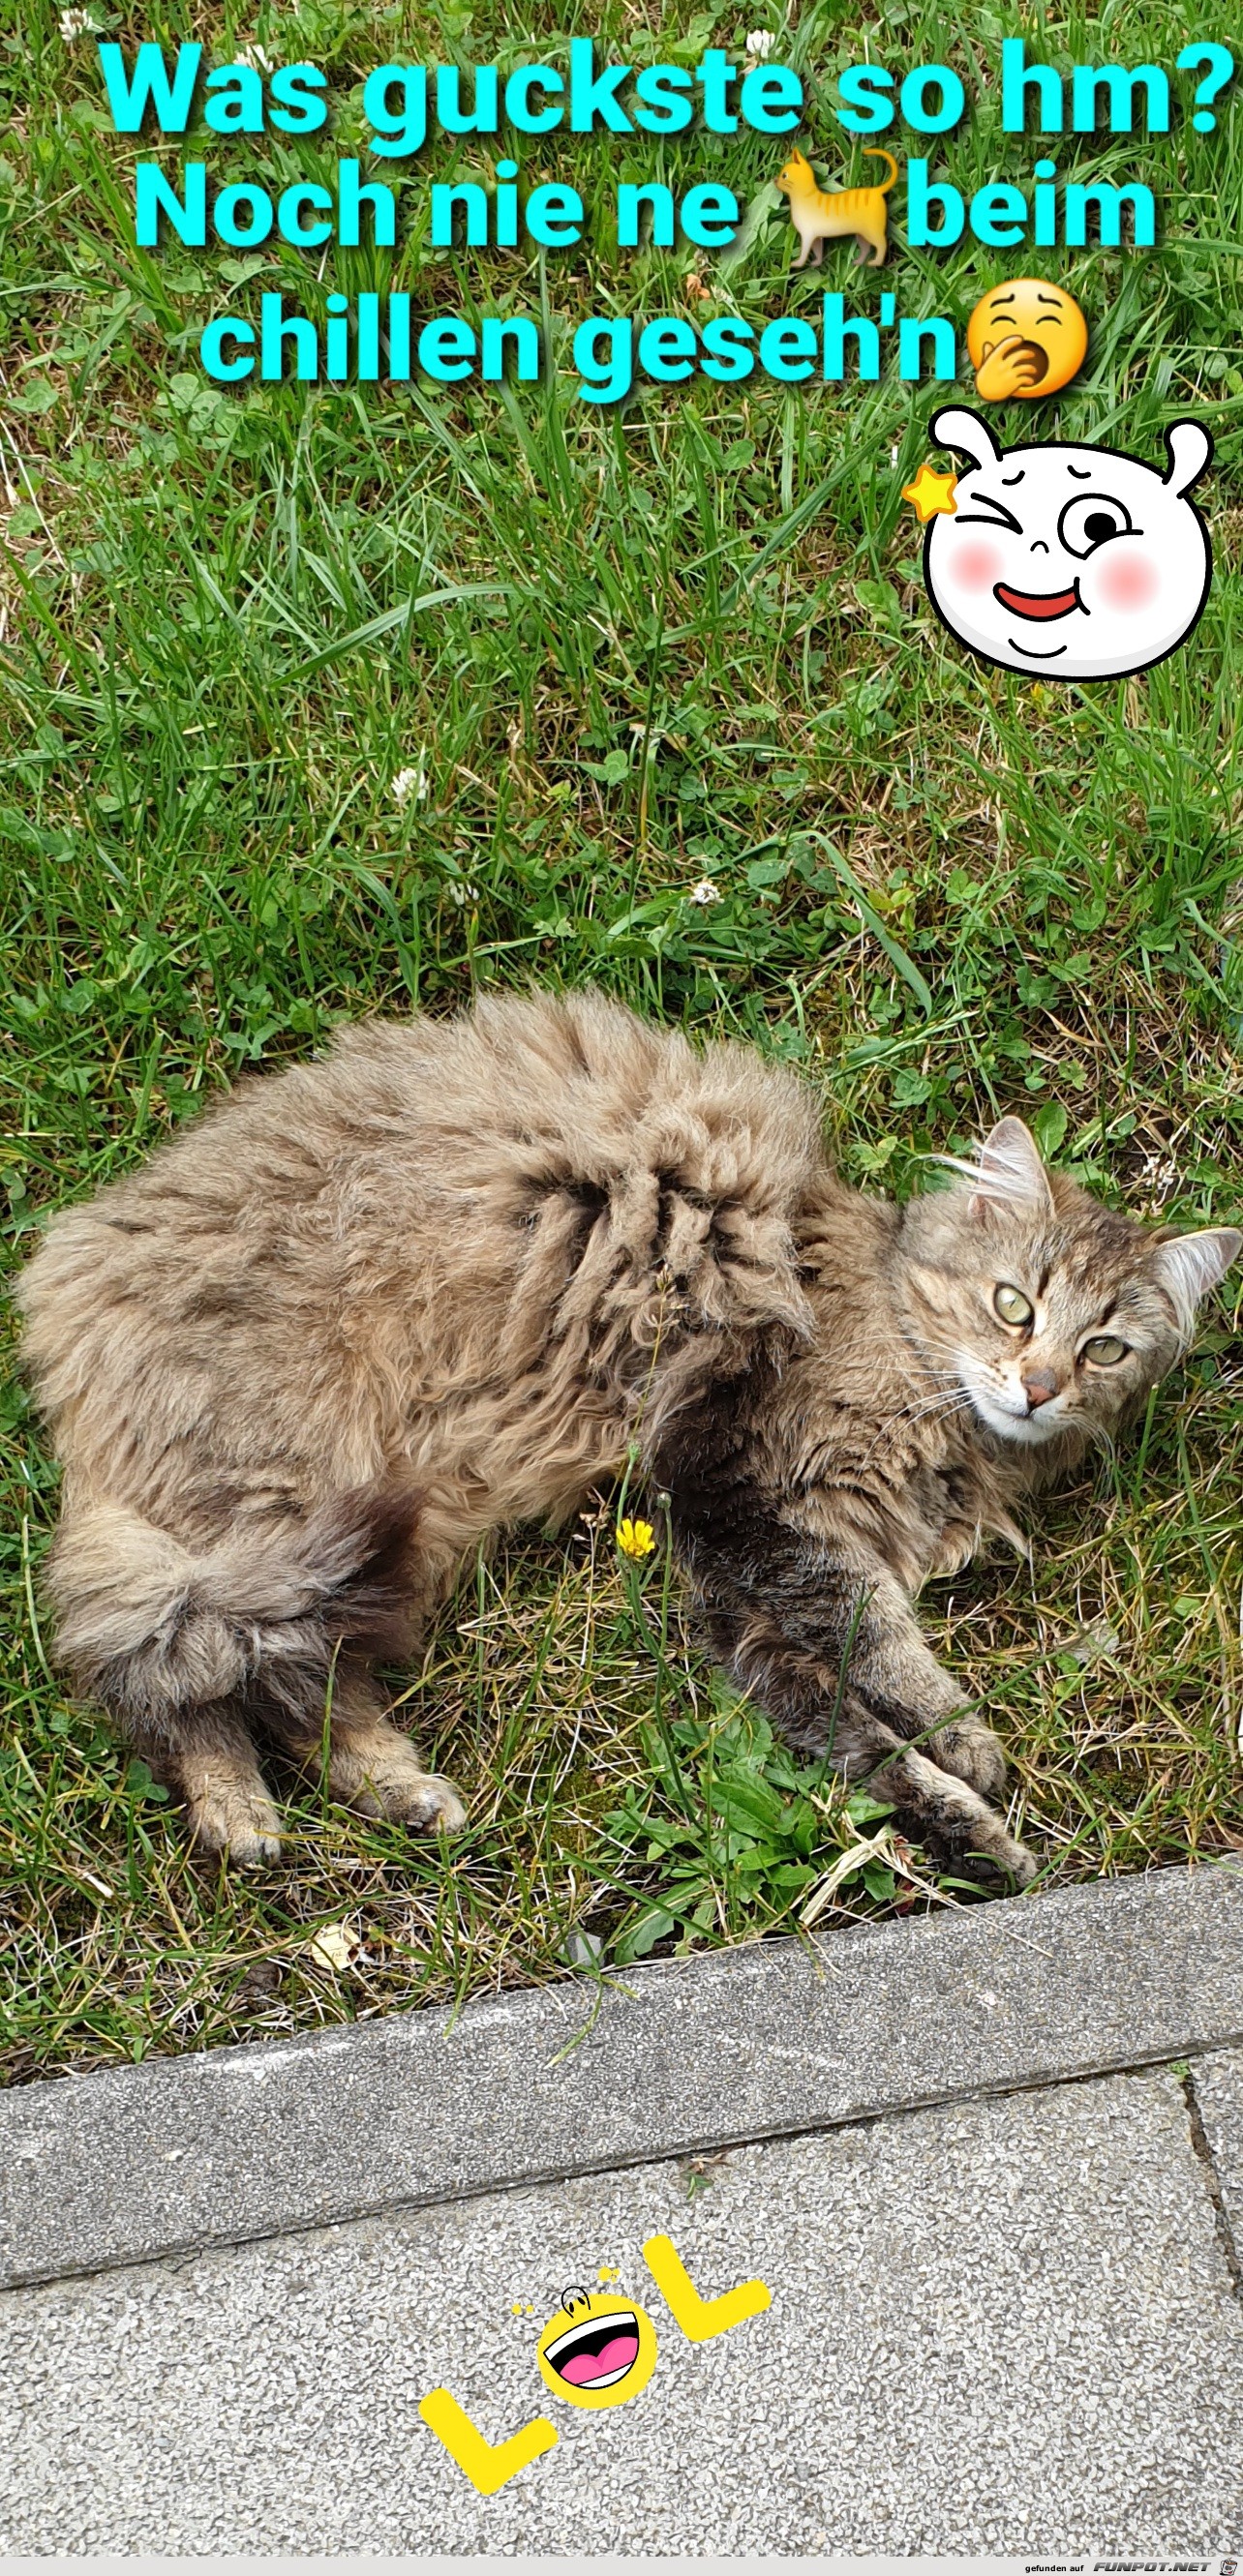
(377, 1306)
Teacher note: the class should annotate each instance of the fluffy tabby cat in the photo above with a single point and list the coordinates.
(374, 1307)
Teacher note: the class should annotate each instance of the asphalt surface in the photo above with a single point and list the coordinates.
(1003, 2325)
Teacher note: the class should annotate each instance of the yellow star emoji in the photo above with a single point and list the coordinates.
(931, 492)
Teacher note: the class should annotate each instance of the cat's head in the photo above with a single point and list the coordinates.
(1052, 1313)
(797, 174)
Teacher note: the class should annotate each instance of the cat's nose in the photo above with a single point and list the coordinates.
(1038, 1386)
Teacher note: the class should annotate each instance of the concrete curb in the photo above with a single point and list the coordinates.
(1219, 2101)
(745, 2044)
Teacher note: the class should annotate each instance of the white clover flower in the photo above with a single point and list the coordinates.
(254, 57)
(705, 892)
(1161, 1173)
(76, 22)
(410, 782)
(759, 43)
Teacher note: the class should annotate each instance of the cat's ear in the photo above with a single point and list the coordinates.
(1009, 1173)
(1189, 1265)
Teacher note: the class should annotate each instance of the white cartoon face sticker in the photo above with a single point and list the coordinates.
(1069, 563)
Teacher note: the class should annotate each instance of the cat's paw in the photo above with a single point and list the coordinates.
(969, 1749)
(236, 1817)
(994, 1860)
(382, 1775)
(434, 1805)
(956, 1825)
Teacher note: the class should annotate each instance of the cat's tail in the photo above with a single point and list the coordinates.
(873, 152)
(157, 1631)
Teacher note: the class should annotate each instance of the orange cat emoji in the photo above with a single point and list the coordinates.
(818, 217)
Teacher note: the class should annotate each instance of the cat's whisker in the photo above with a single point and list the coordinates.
(1100, 1436)
(913, 1412)
(943, 1397)
(952, 1163)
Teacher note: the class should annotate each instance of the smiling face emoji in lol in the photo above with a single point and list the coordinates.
(596, 2351)
(1024, 339)
(1068, 563)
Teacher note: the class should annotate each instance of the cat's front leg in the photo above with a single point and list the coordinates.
(957, 1545)
(833, 1653)
(935, 1806)
(903, 1684)
(889, 1665)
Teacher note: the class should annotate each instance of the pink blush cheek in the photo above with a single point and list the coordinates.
(976, 565)
(1128, 580)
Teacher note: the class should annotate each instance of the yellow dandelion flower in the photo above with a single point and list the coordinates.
(636, 1538)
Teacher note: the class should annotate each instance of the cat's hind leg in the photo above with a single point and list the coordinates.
(372, 1766)
(205, 1756)
(183, 1645)
(226, 1798)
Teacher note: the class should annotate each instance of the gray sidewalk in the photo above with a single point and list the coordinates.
(989, 2168)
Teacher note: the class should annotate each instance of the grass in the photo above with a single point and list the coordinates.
(678, 642)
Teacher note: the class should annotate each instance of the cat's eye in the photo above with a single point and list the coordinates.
(1011, 1304)
(1104, 1350)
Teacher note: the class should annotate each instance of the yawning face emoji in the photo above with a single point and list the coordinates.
(596, 2351)
(1069, 563)
(1024, 339)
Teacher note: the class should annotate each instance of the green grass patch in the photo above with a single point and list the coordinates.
(316, 703)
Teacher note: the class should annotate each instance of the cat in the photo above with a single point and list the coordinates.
(818, 217)
(373, 1307)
